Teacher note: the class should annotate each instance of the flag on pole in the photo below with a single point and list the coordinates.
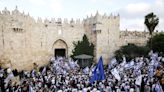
(115, 73)
(98, 73)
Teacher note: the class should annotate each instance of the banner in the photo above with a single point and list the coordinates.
(98, 73)
(115, 73)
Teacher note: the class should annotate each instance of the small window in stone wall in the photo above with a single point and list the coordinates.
(18, 30)
(72, 25)
(98, 31)
(46, 25)
(59, 23)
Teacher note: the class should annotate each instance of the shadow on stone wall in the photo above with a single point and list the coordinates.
(25, 61)
(5, 61)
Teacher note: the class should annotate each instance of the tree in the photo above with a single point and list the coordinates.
(158, 42)
(131, 51)
(151, 21)
(83, 47)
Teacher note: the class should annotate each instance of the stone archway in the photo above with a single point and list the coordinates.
(60, 48)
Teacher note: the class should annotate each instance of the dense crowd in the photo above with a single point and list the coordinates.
(61, 75)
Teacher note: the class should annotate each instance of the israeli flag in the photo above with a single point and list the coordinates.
(98, 73)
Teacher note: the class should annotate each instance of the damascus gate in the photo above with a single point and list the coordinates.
(25, 41)
(60, 48)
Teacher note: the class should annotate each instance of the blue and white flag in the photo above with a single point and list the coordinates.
(113, 61)
(115, 73)
(31, 89)
(98, 73)
(44, 71)
(138, 80)
(86, 70)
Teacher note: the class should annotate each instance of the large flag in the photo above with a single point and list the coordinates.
(98, 73)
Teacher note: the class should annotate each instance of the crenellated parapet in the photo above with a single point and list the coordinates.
(15, 14)
(60, 22)
(136, 37)
(5, 11)
(101, 18)
(134, 34)
(19, 20)
(16, 20)
(99, 22)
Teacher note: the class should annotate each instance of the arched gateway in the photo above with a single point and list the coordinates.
(60, 48)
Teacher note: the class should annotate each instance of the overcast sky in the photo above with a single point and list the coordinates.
(131, 12)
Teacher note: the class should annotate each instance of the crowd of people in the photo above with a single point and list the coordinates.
(141, 74)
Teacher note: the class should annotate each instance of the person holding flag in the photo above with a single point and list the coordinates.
(98, 73)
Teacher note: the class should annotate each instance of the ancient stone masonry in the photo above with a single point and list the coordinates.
(24, 40)
(139, 38)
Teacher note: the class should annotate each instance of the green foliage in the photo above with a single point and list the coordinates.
(158, 42)
(83, 47)
(131, 51)
(151, 21)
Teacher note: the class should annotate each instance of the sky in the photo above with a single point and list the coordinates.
(131, 12)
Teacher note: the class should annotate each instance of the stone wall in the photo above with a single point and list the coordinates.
(138, 37)
(24, 41)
